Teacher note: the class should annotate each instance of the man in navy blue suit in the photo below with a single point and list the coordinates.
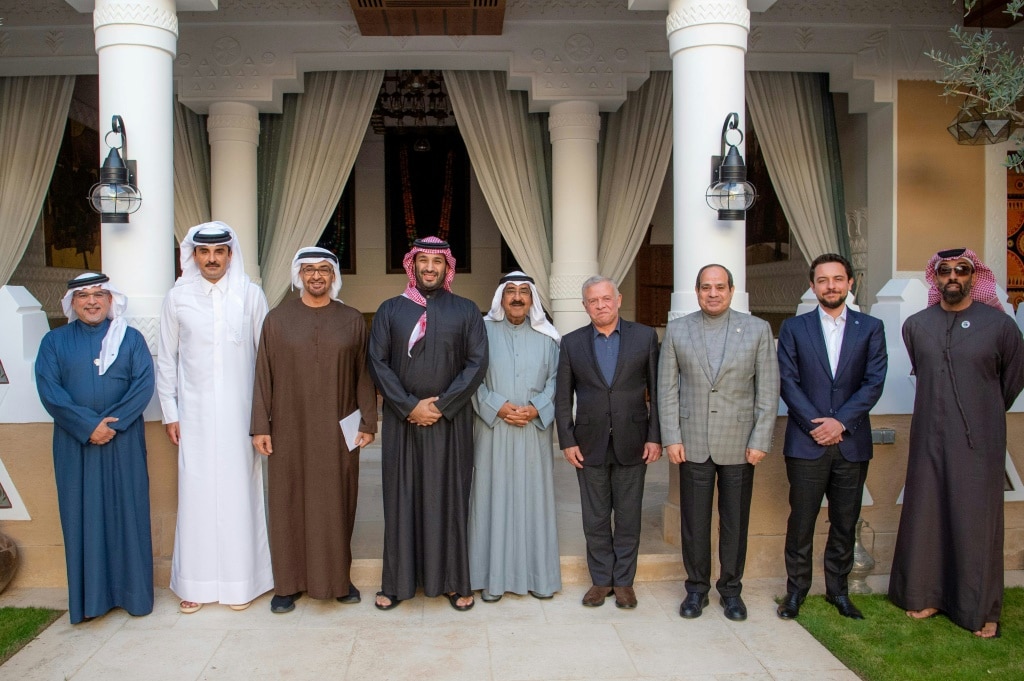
(832, 364)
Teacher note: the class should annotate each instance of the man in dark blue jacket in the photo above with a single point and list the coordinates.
(832, 364)
(608, 370)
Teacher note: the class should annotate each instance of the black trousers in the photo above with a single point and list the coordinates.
(810, 480)
(612, 553)
(696, 493)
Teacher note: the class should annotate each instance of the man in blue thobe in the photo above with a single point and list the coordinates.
(95, 378)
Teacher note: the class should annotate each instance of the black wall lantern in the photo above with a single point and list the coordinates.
(116, 195)
(729, 192)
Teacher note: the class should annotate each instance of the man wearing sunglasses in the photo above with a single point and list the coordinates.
(968, 357)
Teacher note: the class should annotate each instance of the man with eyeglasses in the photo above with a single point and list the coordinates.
(968, 357)
(95, 378)
(209, 329)
(311, 374)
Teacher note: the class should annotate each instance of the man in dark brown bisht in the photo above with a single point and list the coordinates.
(428, 355)
(968, 356)
(311, 373)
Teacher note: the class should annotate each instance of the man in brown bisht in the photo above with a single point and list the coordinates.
(311, 373)
(968, 356)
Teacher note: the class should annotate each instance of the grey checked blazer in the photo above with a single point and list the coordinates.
(719, 419)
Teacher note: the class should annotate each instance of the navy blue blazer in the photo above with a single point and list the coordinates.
(619, 410)
(810, 391)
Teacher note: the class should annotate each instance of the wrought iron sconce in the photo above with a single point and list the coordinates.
(116, 195)
(729, 192)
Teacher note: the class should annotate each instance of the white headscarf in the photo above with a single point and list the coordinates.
(118, 304)
(311, 255)
(538, 320)
(236, 279)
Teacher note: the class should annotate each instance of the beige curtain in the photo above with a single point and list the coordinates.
(506, 147)
(635, 157)
(35, 113)
(191, 170)
(331, 118)
(792, 123)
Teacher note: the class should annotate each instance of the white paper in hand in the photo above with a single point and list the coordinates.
(350, 428)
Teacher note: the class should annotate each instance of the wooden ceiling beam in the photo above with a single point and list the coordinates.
(429, 17)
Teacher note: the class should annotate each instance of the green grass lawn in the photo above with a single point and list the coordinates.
(889, 645)
(18, 626)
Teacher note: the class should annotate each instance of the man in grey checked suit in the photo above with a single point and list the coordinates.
(718, 391)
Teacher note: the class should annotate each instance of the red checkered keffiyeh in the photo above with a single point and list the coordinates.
(983, 289)
(434, 246)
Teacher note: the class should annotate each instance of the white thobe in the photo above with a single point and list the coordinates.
(204, 381)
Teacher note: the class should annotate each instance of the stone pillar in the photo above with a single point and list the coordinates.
(881, 210)
(575, 127)
(234, 129)
(707, 43)
(136, 44)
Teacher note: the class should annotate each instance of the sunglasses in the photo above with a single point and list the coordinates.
(961, 270)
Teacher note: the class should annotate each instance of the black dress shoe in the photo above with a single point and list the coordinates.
(845, 606)
(283, 604)
(789, 609)
(693, 605)
(735, 608)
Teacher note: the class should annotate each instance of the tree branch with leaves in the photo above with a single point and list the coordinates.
(985, 72)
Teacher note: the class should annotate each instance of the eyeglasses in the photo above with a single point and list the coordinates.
(323, 270)
(98, 295)
(962, 270)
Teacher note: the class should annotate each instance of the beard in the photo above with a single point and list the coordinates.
(832, 304)
(424, 286)
(320, 292)
(955, 292)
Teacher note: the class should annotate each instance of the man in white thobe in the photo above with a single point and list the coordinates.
(209, 332)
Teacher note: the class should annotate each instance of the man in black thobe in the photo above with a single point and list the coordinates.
(968, 357)
(428, 355)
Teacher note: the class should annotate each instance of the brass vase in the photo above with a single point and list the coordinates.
(863, 562)
(8, 560)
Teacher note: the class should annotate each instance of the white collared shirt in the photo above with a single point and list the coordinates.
(832, 328)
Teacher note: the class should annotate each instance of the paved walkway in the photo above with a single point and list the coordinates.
(519, 638)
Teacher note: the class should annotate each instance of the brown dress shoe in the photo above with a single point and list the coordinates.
(595, 596)
(625, 597)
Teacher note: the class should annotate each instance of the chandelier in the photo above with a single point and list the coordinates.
(412, 99)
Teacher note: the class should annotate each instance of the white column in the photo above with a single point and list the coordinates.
(881, 213)
(136, 43)
(707, 43)
(234, 130)
(575, 127)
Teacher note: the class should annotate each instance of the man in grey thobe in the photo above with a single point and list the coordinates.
(513, 537)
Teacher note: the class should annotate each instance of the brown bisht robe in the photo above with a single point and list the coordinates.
(426, 472)
(310, 373)
(949, 550)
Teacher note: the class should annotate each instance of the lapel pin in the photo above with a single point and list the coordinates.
(96, 361)
(965, 324)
